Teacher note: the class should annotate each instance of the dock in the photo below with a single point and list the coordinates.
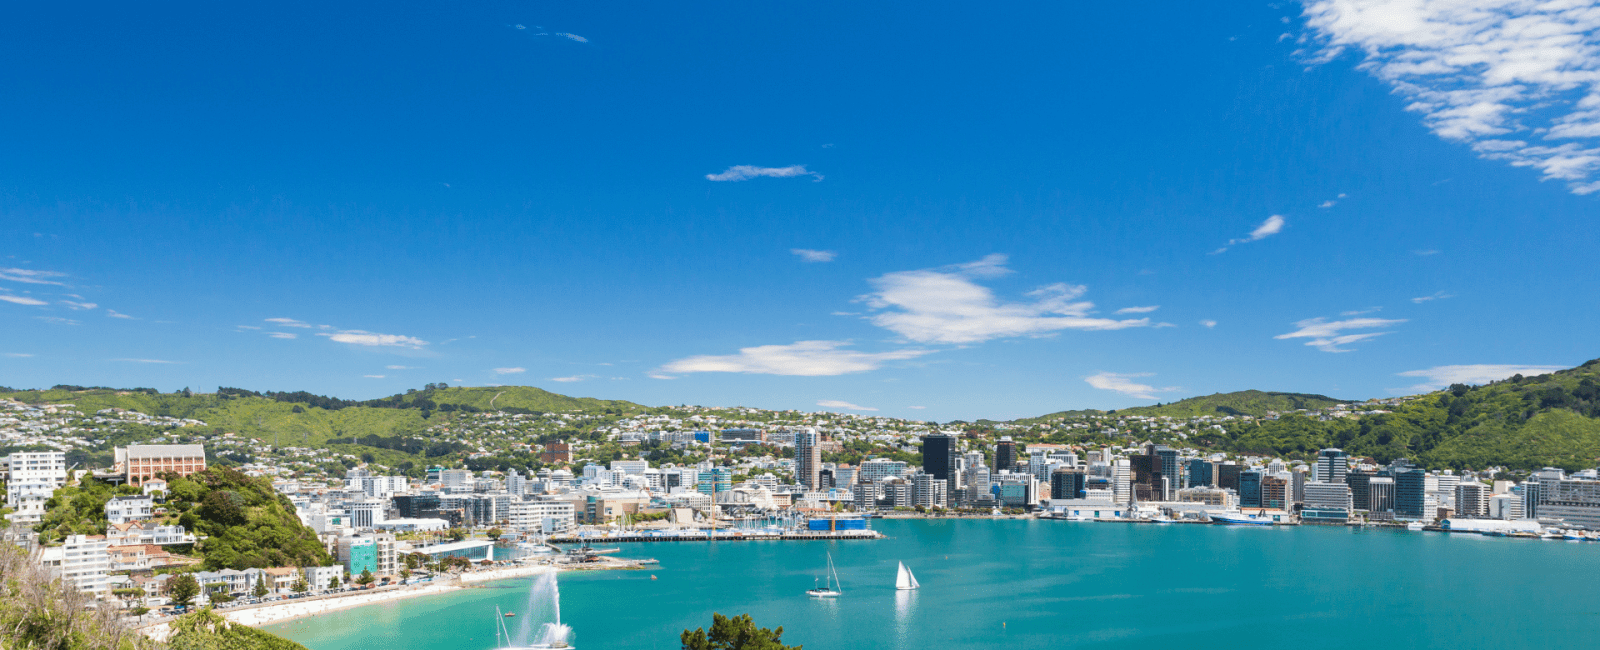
(718, 536)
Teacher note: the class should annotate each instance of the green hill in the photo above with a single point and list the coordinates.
(1244, 402)
(528, 398)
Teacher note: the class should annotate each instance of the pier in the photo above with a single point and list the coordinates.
(718, 536)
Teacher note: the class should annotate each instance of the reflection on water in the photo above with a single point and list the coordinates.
(905, 604)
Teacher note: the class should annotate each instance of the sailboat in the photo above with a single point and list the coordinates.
(833, 589)
(904, 580)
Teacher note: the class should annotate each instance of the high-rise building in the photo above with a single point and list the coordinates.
(1275, 492)
(929, 491)
(1380, 490)
(1201, 472)
(1168, 460)
(808, 458)
(1250, 489)
(874, 470)
(1533, 488)
(1067, 483)
(1576, 502)
(1360, 492)
(1410, 490)
(1228, 476)
(31, 479)
(1005, 455)
(1332, 465)
(1472, 500)
(1326, 503)
(940, 456)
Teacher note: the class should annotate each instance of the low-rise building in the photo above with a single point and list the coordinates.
(125, 509)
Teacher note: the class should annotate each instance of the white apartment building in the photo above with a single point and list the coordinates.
(543, 516)
(124, 509)
(31, 478)
(368, 512)
(630, 466)
(874, 470)
(81, 561)
(1472, 500)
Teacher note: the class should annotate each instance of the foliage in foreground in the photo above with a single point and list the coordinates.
(39, 613)
(207, 630)
(737, 633)
(246, 522)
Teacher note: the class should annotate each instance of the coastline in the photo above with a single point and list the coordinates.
(287, 611)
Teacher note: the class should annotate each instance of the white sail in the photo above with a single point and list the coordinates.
(904, 580)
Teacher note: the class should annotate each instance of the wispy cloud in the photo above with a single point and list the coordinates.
(947, 305)
(509, 371)
(374, 376)
(1330, 202)
(370, 339)
(747, 172)
(31, 276)
(809, 255)
(57, 320)
(574, 378)
(401, 367)
(18, 355)
(1439, 377)
(1361, 312)
(916, 407)
(1208, 323)
(1138, 310)
(282, 335)
(1437, 295)
(1425, 252)
(20, 300)
(1123, 383)
(112, 313)
(247, 327)
(802, 358)
(1325, 336)
(574, 37)
(288, 322)
(1272, 226)
(1479, 72)
(79, 306)
(163, 361)
(839, 404)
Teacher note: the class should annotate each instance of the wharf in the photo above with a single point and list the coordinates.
(720, 536)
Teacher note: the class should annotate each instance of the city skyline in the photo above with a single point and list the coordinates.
(935, 216)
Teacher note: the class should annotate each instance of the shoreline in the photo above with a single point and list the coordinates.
(281, 612)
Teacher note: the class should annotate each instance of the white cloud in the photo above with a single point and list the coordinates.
(370, 339)
(1479, 71)
(837, 404)
(112, 313)
(574, 378)
(58, 320)
(401, 367)
(916, 407)
(802, 358)
(946, 305)
(1325, 336)
(145, 360)
(1439, 377)
(1138, 310)
(1122, 383)
(1425, 252)
(30, 276)
(747, 172)
(1361, 312)
(18, 355)
(574, 37)
(809, 255)
(1437, 295)
(1208, 323)
(1272, 226)
(282, 335)
(1327, 204)
(247, 327)
(373, 376)
(509, 371)
(23, 301)
(79, 306)
(657, 375)
(288, 322)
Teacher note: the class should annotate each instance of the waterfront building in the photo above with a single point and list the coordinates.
(140, 463)
(543, 516)
(808, 459)
(929, 491)
(1409, 490)
(1250, 488)
(373, 552)
(940, 456)
(1532, 489)
(1575, 502)
(1068, 483)
(1444, 488)
(1167, 461)
(1332, 466)
(32, 478)
(1211, 496)
(1326, 502)
(1472, 501)
(1380, 491)
(1360, 492)
(1228, 476)
(1121, 480)
(1275, 492)
(1005, 455)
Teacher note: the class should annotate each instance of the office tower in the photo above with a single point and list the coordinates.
(1005, 455)
(808, 458)
(1228, 476)
(1200, 472)
(1409, 489)
(1121, 481)
(1332, 465)
(1068, 483)
(1274, 492)
(1381, 490)
(1360, 493)
(1472, 500)
(929, 491)
(1576, 502)
(1168, 461)
(1250, 489)
(1533, 488)
(940, 456)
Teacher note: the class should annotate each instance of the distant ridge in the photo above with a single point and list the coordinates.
(1244, 402)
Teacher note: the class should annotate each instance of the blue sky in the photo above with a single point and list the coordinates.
(935, 211)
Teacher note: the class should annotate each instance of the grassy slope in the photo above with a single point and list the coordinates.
(1245, 402)
(527, 397)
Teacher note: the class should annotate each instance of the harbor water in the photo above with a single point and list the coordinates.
(1043, 584)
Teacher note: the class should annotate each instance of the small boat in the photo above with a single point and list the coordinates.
(1240, 520)
(1415, 525)
(652, 576)
(833, 589)
(510, 614)
(904, 580)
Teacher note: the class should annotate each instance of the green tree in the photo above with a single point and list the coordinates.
(456, 534)
(365, 578)
(300, 586)
(333, 583)
(405, 574)
(260, 590)
(183, 590)
(495, 533)
(737, 633)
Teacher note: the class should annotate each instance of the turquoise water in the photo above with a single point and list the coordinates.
(1046, 584)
